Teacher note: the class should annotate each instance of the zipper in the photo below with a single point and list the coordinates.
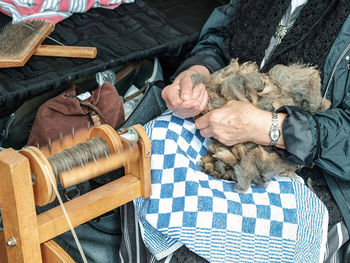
(137, 238)
(335, 67)
(124, 222)
(348, 66)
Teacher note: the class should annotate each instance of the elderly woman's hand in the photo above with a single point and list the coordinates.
(239, 122)
(184, 99)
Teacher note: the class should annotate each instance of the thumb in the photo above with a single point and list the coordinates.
(202, 121)
(186, 87)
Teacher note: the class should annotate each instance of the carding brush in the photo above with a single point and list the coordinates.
(18, 42)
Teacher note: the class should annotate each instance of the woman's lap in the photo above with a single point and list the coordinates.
(191, 208)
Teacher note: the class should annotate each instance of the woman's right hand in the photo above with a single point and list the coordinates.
(184, 99)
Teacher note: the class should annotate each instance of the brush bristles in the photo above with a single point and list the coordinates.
(15, 39)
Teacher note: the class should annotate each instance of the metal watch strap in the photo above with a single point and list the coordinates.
(274, 132)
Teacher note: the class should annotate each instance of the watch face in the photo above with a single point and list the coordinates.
(274, 134)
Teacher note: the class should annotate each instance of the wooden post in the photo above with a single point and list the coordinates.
(141, 168)
(18, 209)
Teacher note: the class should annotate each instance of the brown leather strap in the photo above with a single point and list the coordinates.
(134, 95)
(129, 68)
(95, 113)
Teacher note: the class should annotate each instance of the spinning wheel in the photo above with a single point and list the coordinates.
(29, 177)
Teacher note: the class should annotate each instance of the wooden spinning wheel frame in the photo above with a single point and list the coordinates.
(26, 178)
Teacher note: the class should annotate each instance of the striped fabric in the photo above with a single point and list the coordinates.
(52, 10)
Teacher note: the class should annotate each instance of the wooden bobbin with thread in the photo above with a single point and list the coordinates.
(120, 153)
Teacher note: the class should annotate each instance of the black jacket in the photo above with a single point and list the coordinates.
(323, 138)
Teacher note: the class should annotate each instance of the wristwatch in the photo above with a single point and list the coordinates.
(274, 132)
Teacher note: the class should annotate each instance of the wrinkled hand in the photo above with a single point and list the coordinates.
(184, 99)
(236, 122)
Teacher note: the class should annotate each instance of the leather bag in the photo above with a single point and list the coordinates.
(67, 113)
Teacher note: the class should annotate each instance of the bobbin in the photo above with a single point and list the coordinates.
(121, 153)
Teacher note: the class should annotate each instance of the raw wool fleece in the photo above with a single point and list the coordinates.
(293, 85)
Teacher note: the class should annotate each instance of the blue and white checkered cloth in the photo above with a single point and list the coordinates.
(285, 222)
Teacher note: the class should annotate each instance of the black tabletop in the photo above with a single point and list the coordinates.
(129, 32)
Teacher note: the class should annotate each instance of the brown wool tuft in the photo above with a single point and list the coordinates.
(249, 163)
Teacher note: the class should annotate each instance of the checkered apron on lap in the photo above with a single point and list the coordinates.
(285, 222)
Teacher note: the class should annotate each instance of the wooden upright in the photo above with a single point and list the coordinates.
(18, 208)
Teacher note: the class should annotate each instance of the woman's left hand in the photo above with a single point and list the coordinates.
(238, 122)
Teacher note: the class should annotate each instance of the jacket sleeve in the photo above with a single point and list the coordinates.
(322, 138)
(209, 48)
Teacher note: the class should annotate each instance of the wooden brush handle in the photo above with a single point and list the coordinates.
(66, 51)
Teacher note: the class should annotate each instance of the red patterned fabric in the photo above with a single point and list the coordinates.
(52, 10)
